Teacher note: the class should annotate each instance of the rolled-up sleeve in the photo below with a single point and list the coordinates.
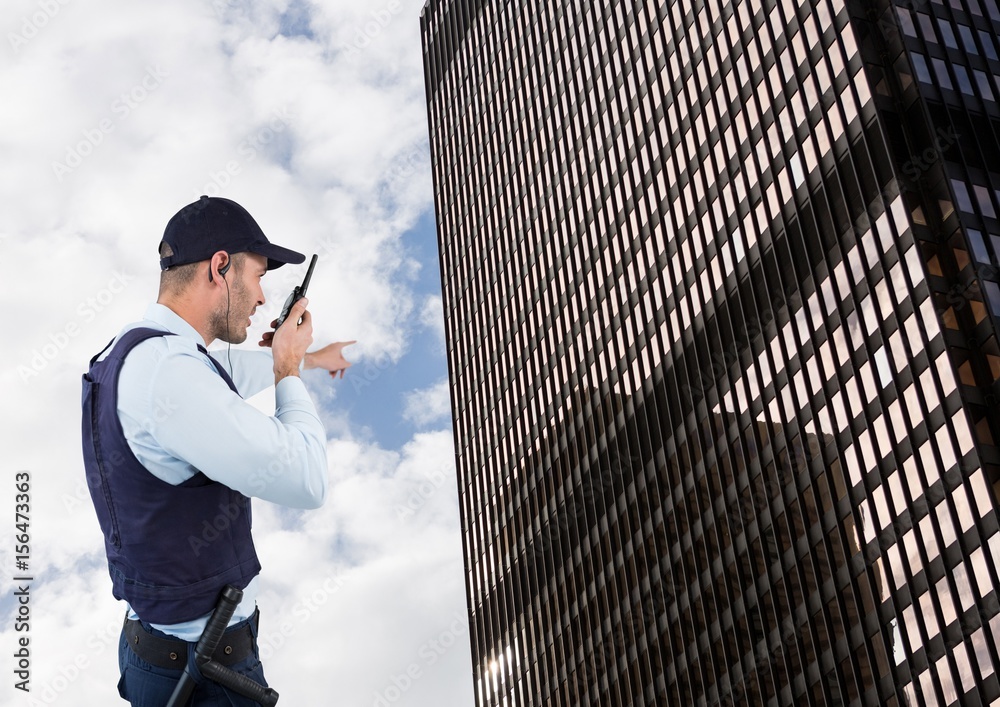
(280, 458)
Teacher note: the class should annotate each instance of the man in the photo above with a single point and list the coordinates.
(172, 452)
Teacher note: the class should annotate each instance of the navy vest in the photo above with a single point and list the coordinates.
(171, 549)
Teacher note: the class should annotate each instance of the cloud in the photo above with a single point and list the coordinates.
(429, 405)
(312, 115)
(345, 578)
(432, 317)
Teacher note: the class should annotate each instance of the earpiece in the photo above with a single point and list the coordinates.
(222, 271)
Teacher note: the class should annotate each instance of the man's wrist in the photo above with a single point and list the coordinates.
(285, 370)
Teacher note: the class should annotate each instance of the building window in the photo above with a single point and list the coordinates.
(962, 198)
(983, 82)
(947, 33)
(985, 203)
(920, 66)
(989, 47)
(964, 82)
(906, 21)
(941, 72)
(968, 41)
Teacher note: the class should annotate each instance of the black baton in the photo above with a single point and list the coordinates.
(209, 641)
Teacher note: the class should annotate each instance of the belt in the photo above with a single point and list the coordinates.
(163, 652)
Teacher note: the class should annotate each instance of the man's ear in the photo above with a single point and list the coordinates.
(223, 270)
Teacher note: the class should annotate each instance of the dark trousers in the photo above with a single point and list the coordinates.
(145, 685)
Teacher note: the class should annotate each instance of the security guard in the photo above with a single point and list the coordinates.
(173, 453)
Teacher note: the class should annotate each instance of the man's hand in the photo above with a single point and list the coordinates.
(330, 358)
(290, 341)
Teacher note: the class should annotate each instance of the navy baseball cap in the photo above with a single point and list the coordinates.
(211, 224)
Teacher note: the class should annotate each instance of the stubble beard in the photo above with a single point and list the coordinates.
(236, 330)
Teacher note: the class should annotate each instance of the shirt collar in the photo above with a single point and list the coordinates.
(172, 322)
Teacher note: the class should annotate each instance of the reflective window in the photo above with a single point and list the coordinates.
(978, 246)
(926, 27)
(947, 33)
(989, 45)
(941, 73)
(964, 82)
(961, 192)
(920, 66)
(906, 21)
(968, 41)
(991, 9)
(984, 200)
(983, 83)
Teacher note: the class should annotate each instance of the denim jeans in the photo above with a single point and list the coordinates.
(145, 685)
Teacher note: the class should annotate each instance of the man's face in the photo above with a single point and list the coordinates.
(245, 295)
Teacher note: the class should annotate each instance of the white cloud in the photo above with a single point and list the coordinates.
(432, 317)
(323, 139)
(347, 578)
(429, 405)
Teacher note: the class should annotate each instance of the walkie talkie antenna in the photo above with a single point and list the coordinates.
(298, 293)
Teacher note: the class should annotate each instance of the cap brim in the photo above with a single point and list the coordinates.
(276, 255)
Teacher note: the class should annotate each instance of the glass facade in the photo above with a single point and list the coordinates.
(721, 281)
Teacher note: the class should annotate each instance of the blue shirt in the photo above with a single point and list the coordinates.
(180, 417)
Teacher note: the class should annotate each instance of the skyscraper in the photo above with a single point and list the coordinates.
(721, 295)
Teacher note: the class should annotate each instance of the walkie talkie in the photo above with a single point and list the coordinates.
(298, 293)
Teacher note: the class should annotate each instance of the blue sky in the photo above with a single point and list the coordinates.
(375, 406)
